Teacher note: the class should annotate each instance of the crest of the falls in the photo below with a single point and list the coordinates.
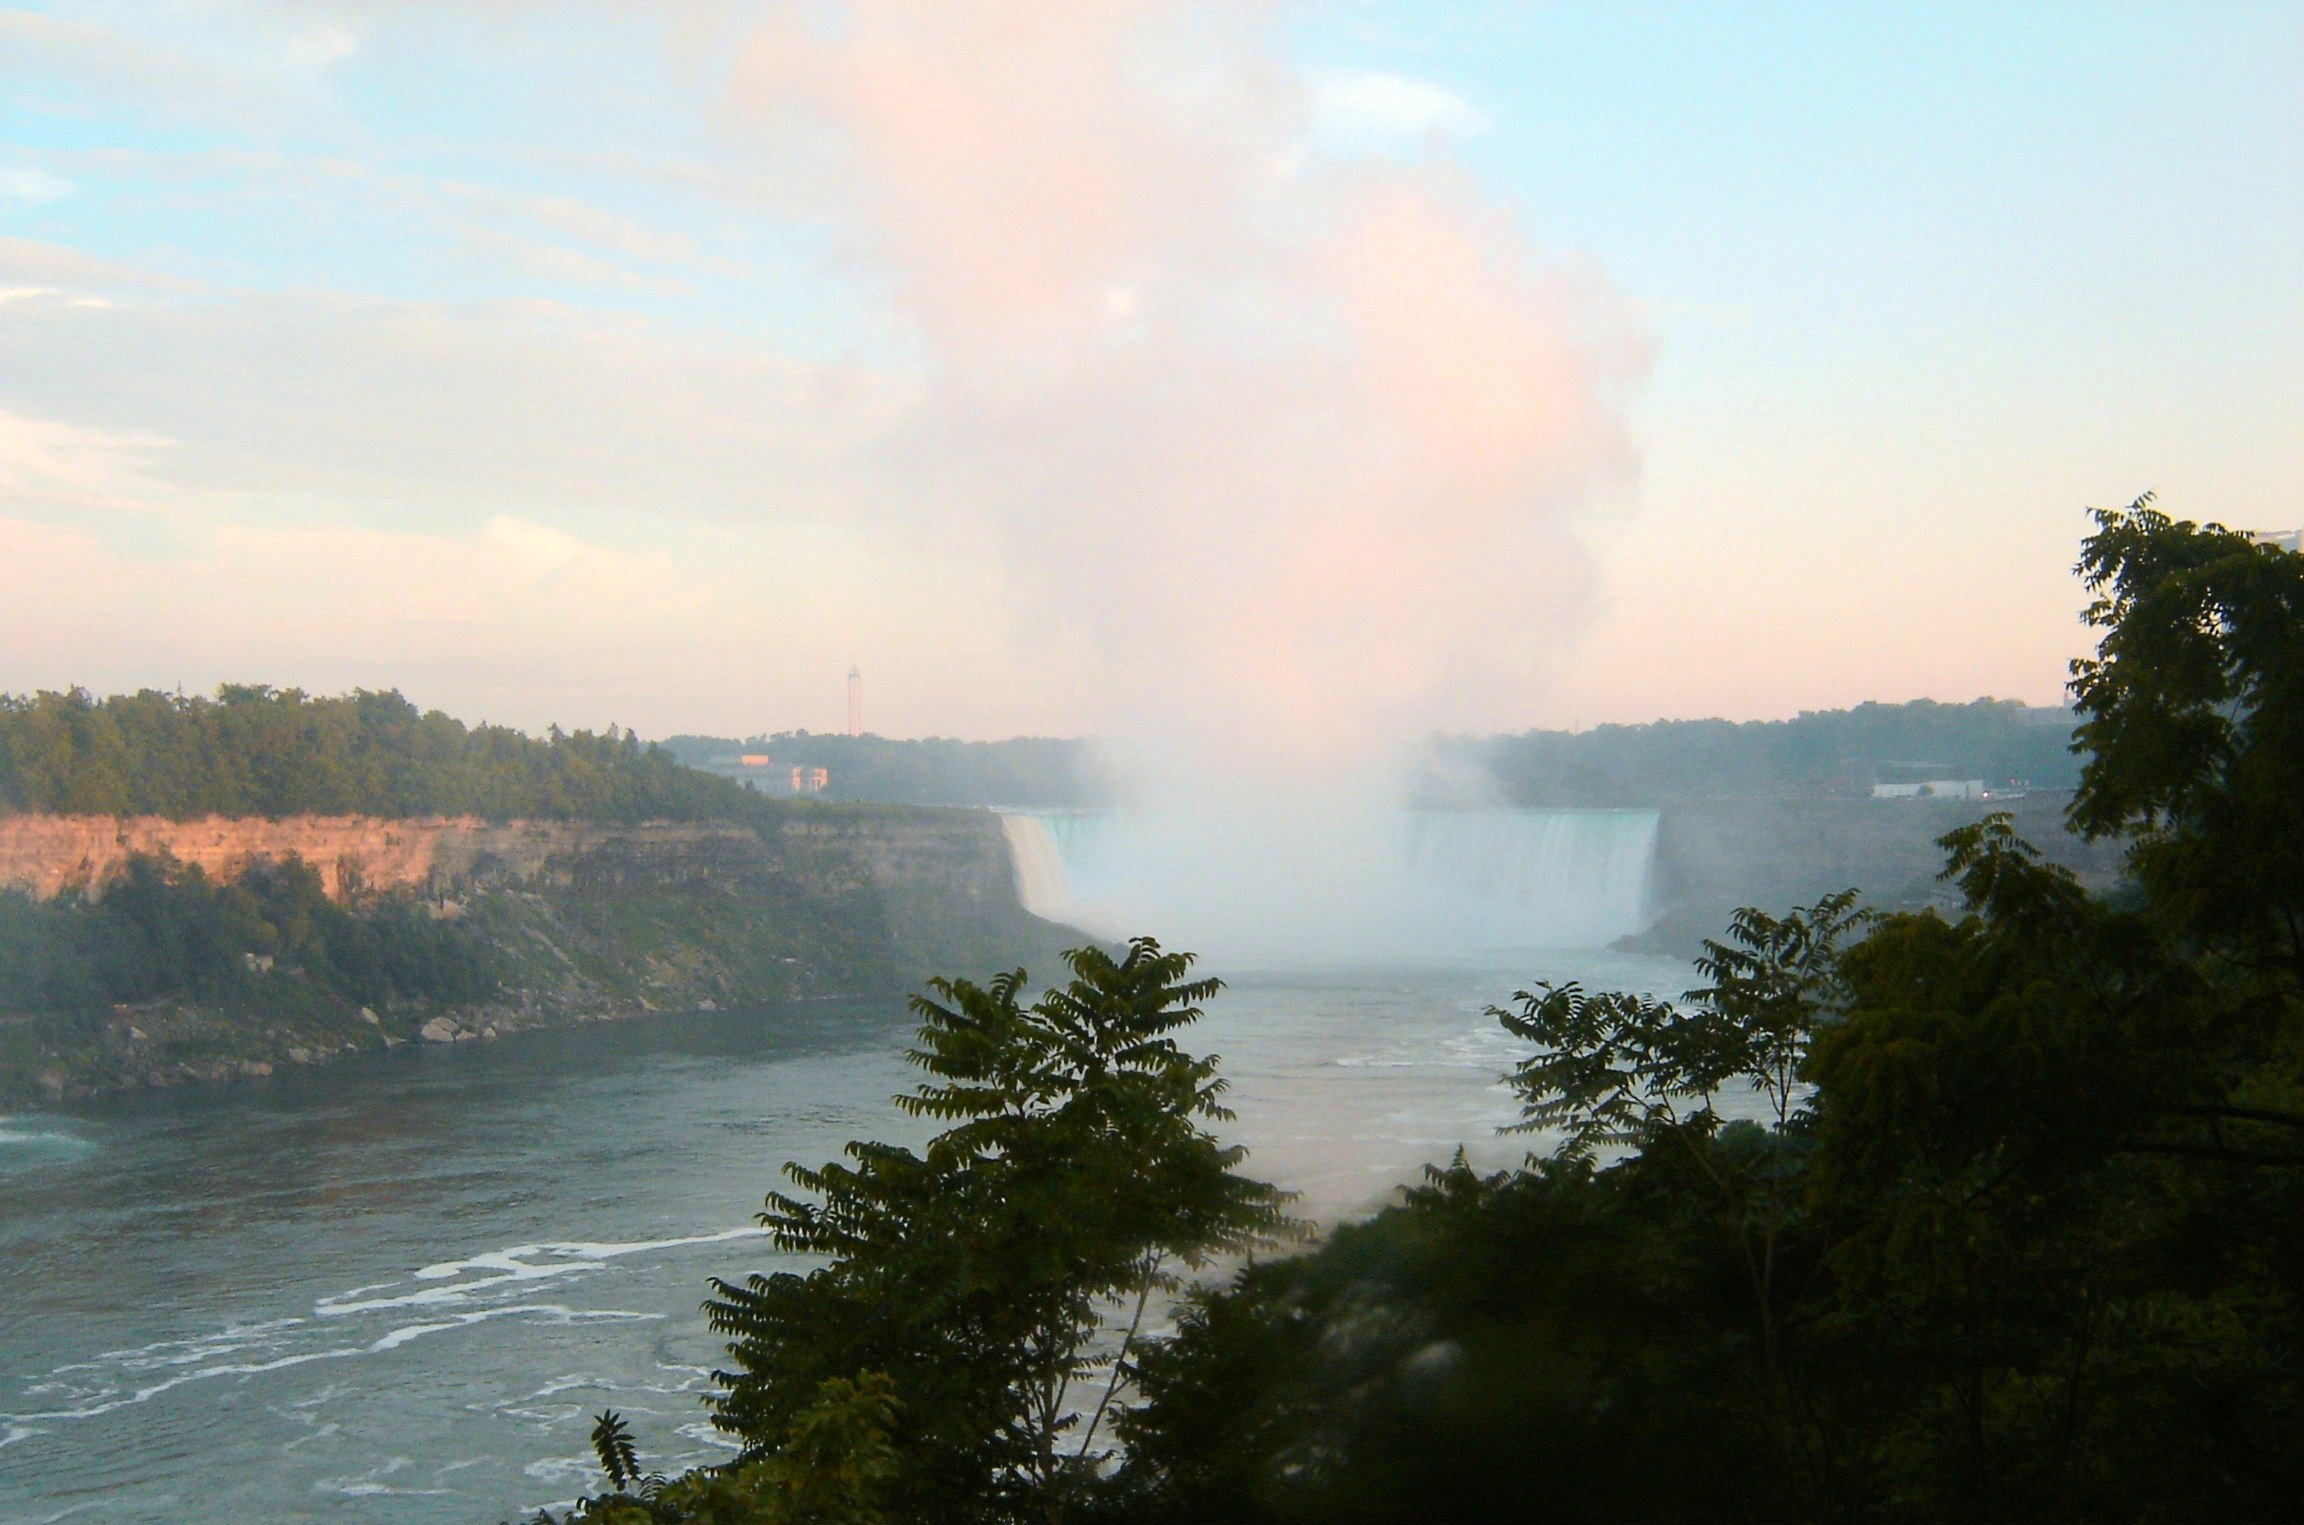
(1041, 882)
(1440, 882)
(1065, 862)
(1560, 878)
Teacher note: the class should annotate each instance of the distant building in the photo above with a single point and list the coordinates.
(762, 774)
(855, 701)
(1933, 789)
(2286, 540)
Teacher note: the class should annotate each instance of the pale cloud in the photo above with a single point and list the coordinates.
(553, 237)
(556, 262)
(1356, 105)
(31, 185)
(1282, 464)
(60, 466)
(510, 619)
(452, 407)
(218, 63)
(335, 603)
(1297, 456)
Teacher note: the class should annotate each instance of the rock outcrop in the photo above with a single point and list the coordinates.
(944, 850)
(574, 920)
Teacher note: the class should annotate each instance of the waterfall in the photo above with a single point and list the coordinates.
(1561, 878)
(1062, 864)
(1041, 883)
(1434, 883)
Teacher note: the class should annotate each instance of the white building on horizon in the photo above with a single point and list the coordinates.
(1933, 789)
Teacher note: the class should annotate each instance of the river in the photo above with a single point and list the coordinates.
(397, 1288)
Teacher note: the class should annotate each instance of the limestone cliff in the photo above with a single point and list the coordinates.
(1715, 855)
(956, 850)
(578, 920)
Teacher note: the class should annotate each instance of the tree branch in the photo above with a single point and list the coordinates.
(1120, 1356)
(2235, 1114)
(2210, 1152)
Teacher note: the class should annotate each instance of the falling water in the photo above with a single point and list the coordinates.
(1556, 878)
(1041, 882)
(1449, 881)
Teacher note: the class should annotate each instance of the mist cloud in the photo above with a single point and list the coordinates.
(1150, 399)
(1293, 440)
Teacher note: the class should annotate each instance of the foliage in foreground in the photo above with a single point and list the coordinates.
(972, 1334)
(1999, 1218)
(836, 1468)
(1902, 1219)
(1001, 1277)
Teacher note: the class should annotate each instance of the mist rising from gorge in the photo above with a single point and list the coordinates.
(1281, 438)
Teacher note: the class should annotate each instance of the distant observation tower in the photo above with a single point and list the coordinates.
(855, 702)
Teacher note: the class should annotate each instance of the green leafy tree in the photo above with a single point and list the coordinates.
(2036, 1171)
(835, 1468)
(1624, 1070)
(619, 1457)
(2194, 707)
(1002, 1276)
(257, 750)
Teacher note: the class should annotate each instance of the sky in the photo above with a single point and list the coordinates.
(1271, 379)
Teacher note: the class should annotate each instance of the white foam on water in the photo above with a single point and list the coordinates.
(702, 1432)
(511, 1266)
(580, 1468)
(39, 1131)
(548, 1312)
(143, 1357)
(584, 1250)
(371, 1484)
(94, 1401)
(65, 1513)
(106, 1400)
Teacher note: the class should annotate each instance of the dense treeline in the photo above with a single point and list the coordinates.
(165, 931)
(1897, 1218)
(936, 770)
(259, 751)
(1832, 752)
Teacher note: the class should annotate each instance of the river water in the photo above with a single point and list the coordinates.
(396, 1289)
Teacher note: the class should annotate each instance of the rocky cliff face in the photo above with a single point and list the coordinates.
(576, 920)
(936, 851)
(1713, 856)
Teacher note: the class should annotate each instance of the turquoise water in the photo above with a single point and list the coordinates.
(397, 1289)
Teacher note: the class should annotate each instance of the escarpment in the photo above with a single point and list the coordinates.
(558, 920)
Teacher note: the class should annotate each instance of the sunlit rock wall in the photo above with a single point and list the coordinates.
(939, 851)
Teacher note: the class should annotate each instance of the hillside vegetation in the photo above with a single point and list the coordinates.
(933, 770)
(257, 750)
(1908, 1218)
(1821, 752)
(691, 891)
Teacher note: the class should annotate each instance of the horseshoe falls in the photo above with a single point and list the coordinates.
(1547, 878)
(1423, 883)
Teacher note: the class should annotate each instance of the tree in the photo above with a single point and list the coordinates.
(1001, 1277)
(256, 750)
(1620, 1069)
(2194, 706)
(835, 1469)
